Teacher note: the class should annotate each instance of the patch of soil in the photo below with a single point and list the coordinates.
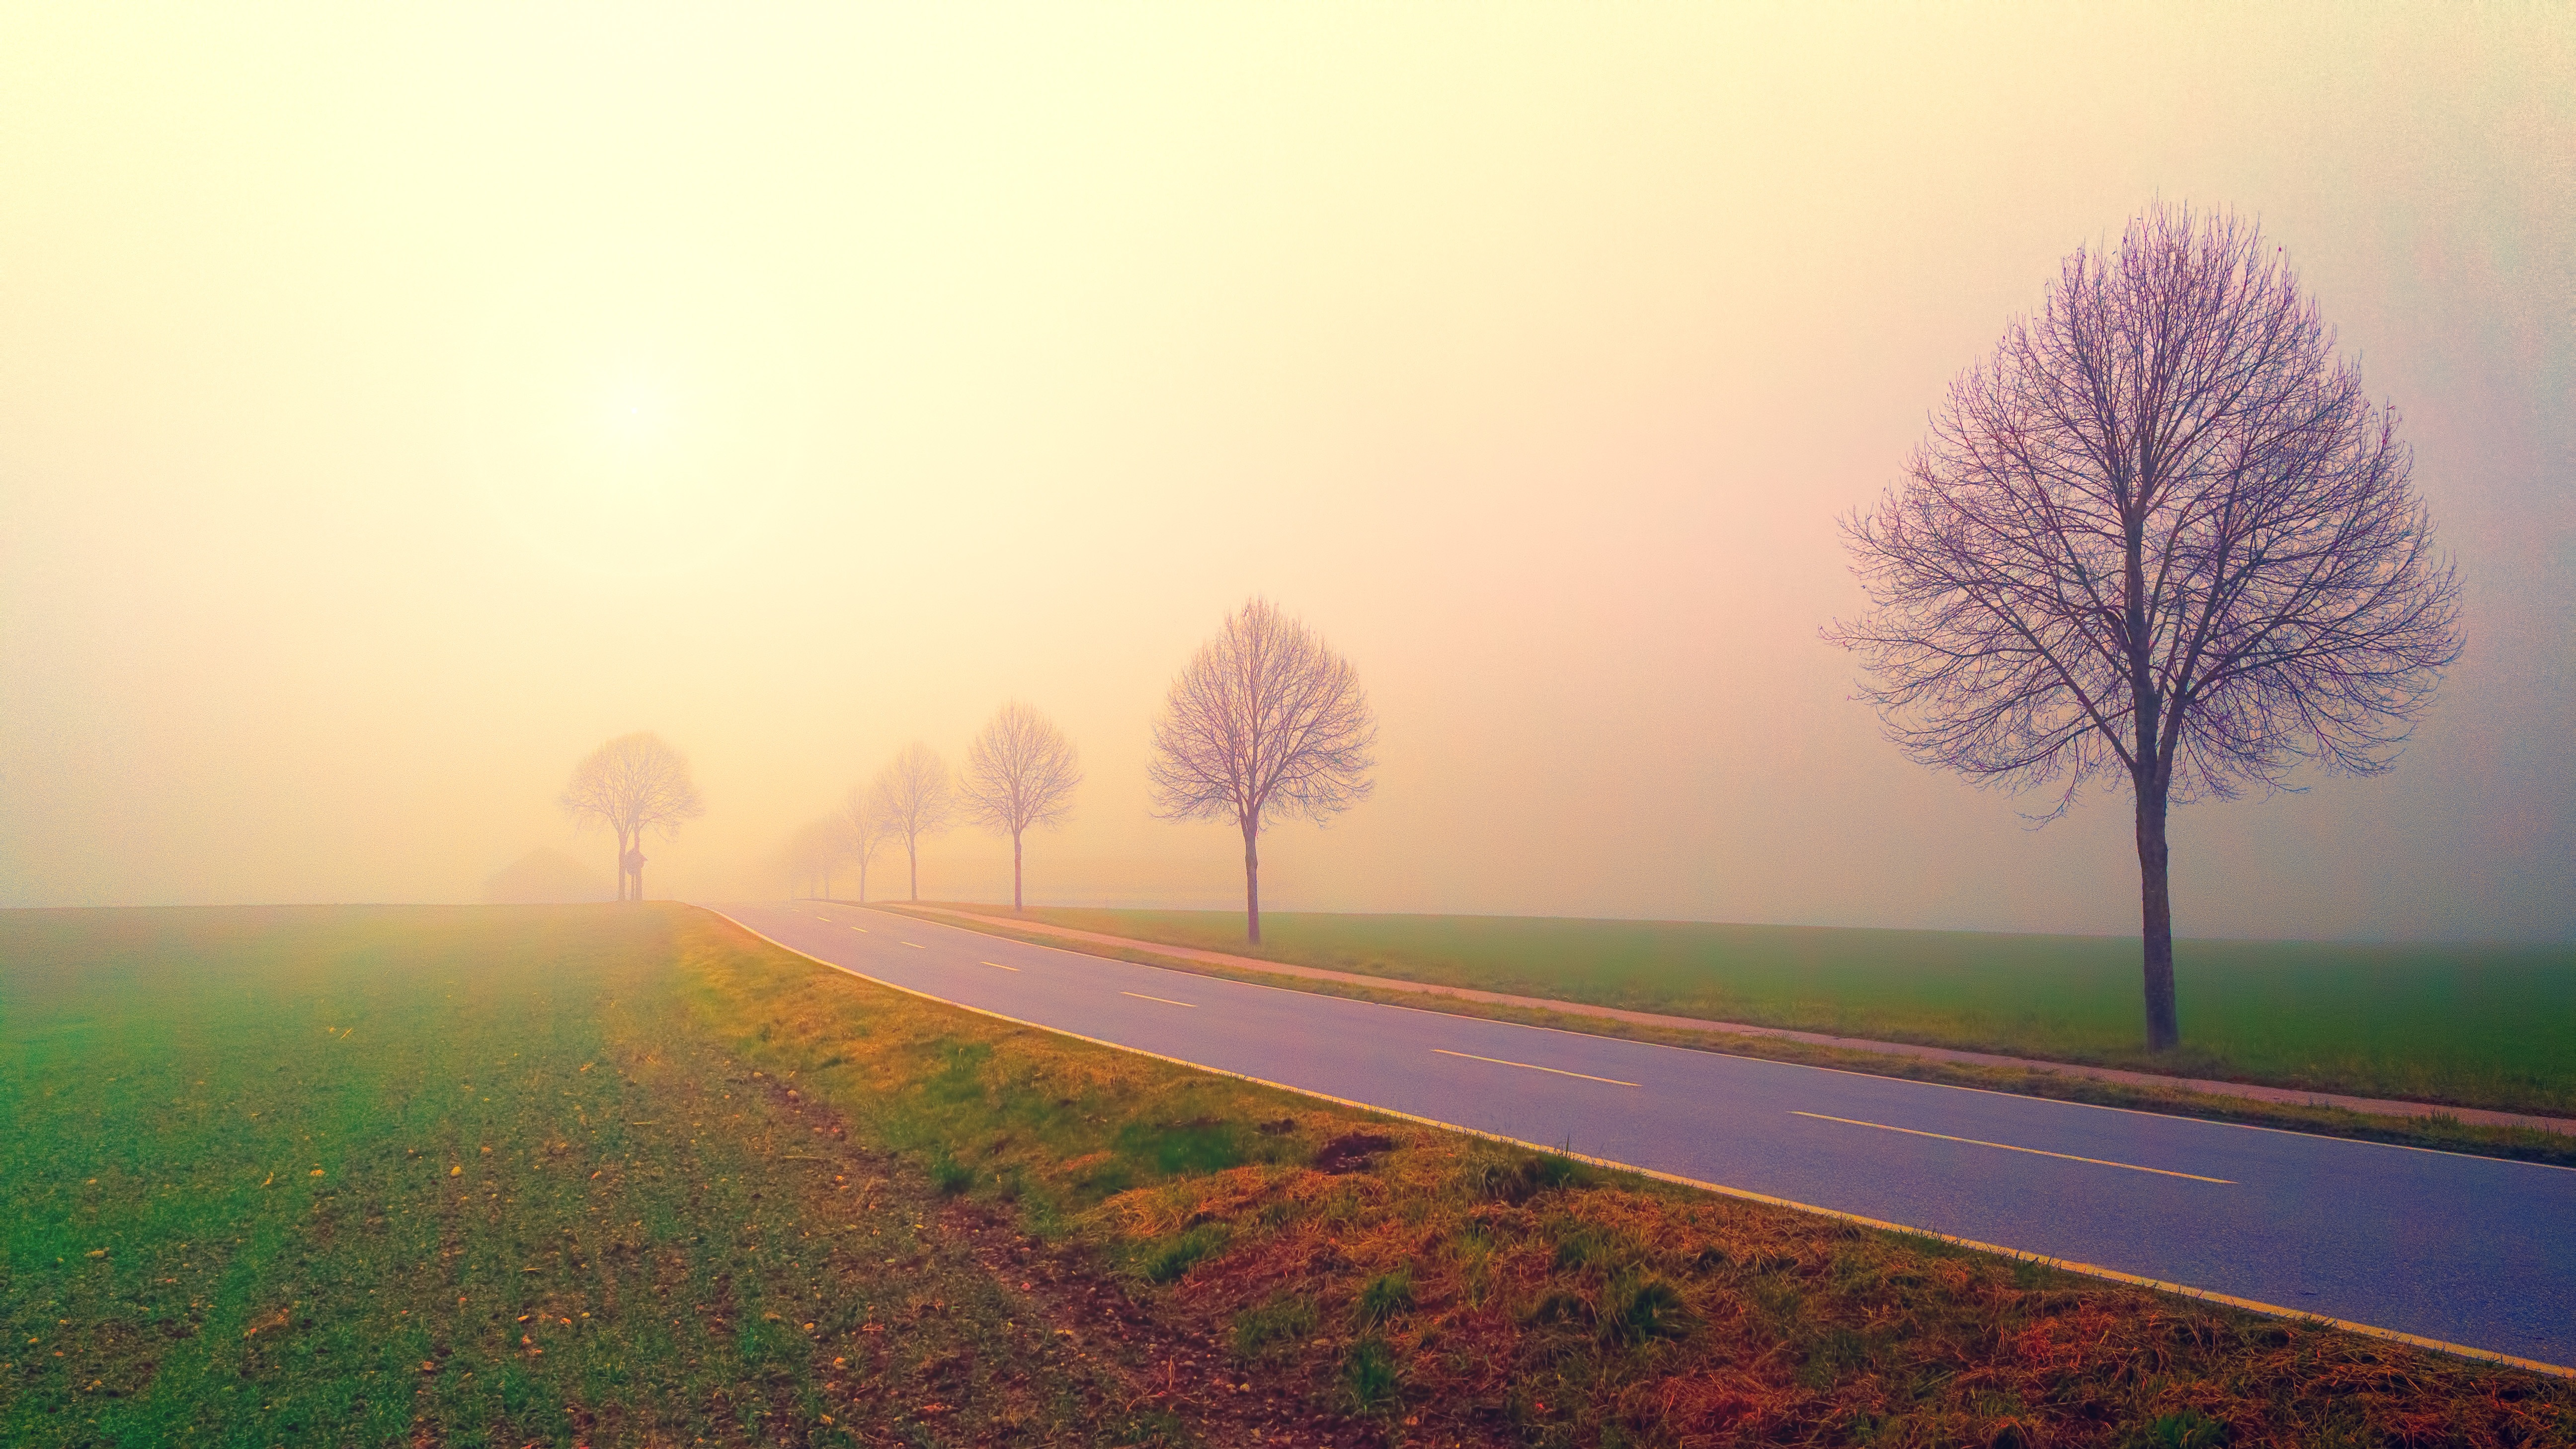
(1352, 1152)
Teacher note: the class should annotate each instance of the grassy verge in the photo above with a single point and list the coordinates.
(2437, 1132)
(2460, 1025)
(1451, 1291)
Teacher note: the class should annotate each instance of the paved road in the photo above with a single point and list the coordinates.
(2466, 1250)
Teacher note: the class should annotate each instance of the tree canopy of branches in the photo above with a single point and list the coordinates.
(1020, 772)
(864, 830)
(637, 786)
(1265, 721)
(2162, 538)
(915, 799)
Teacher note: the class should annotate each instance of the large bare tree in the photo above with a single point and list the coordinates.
(915, 799)
(1265, 721)
(1020, 772)
(637, 786)
(2161, 539)
(864, 830)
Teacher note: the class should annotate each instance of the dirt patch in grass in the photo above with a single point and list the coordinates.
(1439, 1289)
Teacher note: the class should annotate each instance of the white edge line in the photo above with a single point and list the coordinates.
(2089, 1270)
(1531, 1066)
(1718, 1029)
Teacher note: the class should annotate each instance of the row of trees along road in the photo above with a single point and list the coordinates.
(1266, 722)
(1020, 775)
(2161, 540)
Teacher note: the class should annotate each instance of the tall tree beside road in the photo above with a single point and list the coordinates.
(863, 827)
(916, 799)
(1020, 772)
(2163, 538)
(1265, 721)
(637, 786)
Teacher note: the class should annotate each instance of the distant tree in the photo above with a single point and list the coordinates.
(812, 850)
(2163, 538)
(916, 800)
(637, 786)
(1020, 772)
(1265, 721)
(863, 827)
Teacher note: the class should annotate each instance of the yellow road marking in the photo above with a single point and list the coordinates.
(1532, 1066)
(2008, 1147)
(1167, 1001)
(1743, 1194)
(997, 963)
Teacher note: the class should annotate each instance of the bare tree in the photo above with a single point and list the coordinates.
(914, 798)
(637, 786)
(812, 851)
(1265, 721)
(1020, 772)
(2162, 537)
(864, 830)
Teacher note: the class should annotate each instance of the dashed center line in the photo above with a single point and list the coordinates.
(916, 945)
(2008, 1147)
(1532, 1067)
(1167, 1001)
(999, 964)
(862, 930)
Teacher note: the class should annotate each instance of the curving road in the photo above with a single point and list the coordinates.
(2466, 1251)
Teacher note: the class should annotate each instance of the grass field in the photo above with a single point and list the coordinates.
(462, 1177)
(608, 1175)
(2480, 1026)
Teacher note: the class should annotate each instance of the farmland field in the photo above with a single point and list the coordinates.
(467, 1177)
(629, 1176)
(2469, 1025)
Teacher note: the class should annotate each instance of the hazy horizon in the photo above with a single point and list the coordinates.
(393, 407)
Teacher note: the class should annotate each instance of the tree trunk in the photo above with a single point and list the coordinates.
(2155, 901)
(1252, 884)
(863, 880)
(1015, 873)
(621, 865)
(912, 858)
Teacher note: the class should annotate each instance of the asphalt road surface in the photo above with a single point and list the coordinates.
(2465, 1250)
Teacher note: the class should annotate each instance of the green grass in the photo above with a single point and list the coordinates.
(471, 1177)
(618, 1175)
(2470, 1025)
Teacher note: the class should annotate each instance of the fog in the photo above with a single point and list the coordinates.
(394, 405)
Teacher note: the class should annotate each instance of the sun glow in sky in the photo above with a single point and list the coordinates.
(395, 404)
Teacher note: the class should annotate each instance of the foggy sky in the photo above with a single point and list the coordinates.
(394, 405)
